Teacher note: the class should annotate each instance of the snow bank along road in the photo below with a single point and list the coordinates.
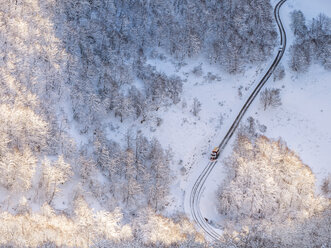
(198, 185)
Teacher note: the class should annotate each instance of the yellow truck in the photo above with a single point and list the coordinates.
(214, 154)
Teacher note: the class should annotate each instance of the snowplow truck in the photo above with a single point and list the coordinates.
(214, 154)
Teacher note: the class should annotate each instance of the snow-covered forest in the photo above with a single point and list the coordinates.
(312, 41)
(268, 187)
(100, 105)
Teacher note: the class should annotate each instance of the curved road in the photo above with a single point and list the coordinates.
(198, 186)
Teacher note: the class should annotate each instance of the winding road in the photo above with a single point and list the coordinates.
(197, 189)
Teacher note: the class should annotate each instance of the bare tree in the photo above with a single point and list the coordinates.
(279, 72)
(196, 107)
(326, 186)
(270, 97)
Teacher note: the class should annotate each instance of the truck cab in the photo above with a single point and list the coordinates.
(214, 154)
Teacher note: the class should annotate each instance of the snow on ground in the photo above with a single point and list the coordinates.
(303, 120)
(208, 203)
(193, 137)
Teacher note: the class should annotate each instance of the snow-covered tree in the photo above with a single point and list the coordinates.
(54, 175)
(312, 42)
(131, 187)
(326, 186)
(160, 173)
(159, 230)
(267, 181)
(298, 24)
(17, 169)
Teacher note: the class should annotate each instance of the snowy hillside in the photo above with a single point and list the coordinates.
(110, 110)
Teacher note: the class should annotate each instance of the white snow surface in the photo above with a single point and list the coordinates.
(302, 121)
(190, 137)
